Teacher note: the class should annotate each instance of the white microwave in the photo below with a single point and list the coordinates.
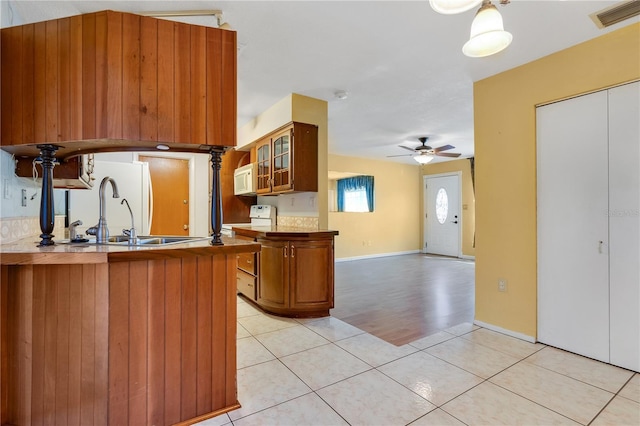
(245, 180)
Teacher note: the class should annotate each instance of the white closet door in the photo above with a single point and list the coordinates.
(624, 224)
(573, 273)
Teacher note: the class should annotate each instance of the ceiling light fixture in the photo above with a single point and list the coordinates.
(423, 158)
(450, 7)
(487, 32)
(341, 94)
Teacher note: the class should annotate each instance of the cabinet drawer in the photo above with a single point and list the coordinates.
(247, 262)
(246, 284)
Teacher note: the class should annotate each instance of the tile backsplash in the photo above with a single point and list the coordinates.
(298, 221)
(16, 228)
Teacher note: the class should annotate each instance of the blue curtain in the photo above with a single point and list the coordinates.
(355, 183)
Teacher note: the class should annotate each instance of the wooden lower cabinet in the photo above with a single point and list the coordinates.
(247, 278)
(296, 277)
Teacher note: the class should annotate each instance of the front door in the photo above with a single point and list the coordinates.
(443, 220)
(170, 182)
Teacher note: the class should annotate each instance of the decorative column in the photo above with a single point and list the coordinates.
(216, 195)
(47, 212)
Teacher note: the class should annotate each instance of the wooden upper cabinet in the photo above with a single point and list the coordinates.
(288, 160)
(111, 76)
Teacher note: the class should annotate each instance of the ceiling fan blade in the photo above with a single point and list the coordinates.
(448, 154)
(401, 155)
(405, 147)
(443, 148)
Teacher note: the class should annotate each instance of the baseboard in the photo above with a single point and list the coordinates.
(515, 334)
(373, 256)
(467, 257)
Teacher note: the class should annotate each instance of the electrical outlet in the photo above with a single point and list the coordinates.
(502, 285)
(24, 198)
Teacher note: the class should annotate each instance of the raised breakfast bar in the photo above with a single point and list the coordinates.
(113, 334)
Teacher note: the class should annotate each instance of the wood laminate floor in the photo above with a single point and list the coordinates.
(403, 298)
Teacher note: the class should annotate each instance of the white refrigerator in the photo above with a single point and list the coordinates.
(134, 184)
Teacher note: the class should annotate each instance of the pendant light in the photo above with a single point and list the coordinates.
(487, 33)
(450, 7)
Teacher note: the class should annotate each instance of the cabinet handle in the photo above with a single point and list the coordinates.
(293, 253)
(285, 251)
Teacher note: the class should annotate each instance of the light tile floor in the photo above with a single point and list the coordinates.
(326, 372)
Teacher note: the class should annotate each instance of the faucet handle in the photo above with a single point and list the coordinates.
(72, 230)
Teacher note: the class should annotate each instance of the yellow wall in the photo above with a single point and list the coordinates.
(394, 225)
(468, 201)
(505, 152)
(302, 109)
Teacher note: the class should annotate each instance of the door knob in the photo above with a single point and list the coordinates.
(185, 227)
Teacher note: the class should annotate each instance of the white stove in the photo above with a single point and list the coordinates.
(260, 215)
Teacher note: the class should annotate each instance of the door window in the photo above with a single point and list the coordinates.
(442, 205)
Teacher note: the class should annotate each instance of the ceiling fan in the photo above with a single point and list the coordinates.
(424, 153)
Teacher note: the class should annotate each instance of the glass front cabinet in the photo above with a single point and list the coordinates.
(288, 160)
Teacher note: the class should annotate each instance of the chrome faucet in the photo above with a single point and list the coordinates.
(100, 230)
(133, 237)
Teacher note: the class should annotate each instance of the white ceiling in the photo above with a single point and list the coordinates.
(400, 62)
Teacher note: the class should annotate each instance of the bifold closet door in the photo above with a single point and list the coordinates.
(624, 224)
(573, 261)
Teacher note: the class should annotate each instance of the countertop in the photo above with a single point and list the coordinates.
(26, 251)
(282, 231)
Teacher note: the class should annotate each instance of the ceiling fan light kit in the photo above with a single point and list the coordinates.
(423, 158)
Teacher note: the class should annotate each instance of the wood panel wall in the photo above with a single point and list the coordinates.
(54, 344)
(170, 334)
(120, 76)
(126, 343)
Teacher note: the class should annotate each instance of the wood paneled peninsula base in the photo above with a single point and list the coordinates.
(117, 335)
(293, 275)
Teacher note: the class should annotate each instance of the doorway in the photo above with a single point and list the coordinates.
(443, 220)
(170, 201)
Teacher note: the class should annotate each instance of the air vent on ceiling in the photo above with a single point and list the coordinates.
(616, 13)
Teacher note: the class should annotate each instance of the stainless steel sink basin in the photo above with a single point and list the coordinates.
(144, 240)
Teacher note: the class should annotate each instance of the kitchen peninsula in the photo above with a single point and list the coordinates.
(112, 334)
(293, 274)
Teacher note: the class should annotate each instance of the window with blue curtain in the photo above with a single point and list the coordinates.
(355, 194)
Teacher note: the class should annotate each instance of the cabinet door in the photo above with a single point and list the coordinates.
(311, 279)
(273, 287)
(263, 154)
(573, 260)
(282, 155)
(624, 224)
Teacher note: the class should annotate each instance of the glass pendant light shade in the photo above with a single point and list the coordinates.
(450, 7)
(423, 159)
(487, 33)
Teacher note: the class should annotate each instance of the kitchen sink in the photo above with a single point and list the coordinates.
(144, 240)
